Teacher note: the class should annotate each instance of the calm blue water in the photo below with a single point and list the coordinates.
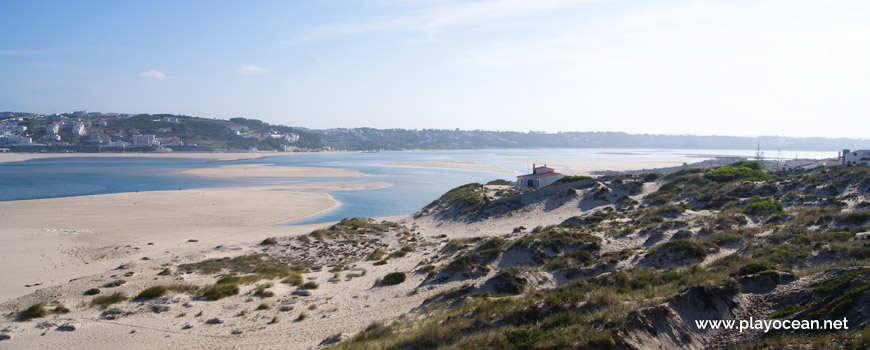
(411, 189)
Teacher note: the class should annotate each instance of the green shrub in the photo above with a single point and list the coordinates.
(293, 280)
(263, 292)
(686, 248)
(34, 311)
(752, 269)
(106, 300)
(151, 293)
(730, 174)
(356, 223)
(61, 309)
(376, 254)
(309, 285)
(269, 241)
(378, 263)
(393, 278)
(763, 207)
(264, 306)
(773, 275)
(220, 291)
(572, 178)
(755, 165)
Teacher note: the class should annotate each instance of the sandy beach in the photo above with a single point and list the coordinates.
(50, 241)
(455, 165)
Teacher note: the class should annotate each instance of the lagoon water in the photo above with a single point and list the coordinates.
(412, 187)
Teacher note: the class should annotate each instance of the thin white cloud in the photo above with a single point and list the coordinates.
(153, 74)
(441, 15)
(251, 69)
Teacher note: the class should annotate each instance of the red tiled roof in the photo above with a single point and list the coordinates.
(547, 175)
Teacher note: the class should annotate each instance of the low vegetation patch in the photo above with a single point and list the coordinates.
(220, 290)
(106, 300)
(34, 311)
(572, 178)
(767, 207)
(393, 278)
(309, 285)
(153, 292)
(736, 172)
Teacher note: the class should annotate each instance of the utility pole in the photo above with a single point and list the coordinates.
(759, 155)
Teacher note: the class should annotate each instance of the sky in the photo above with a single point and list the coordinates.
(735, 67)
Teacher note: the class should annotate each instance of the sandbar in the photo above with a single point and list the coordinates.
(269, 170)
(448, 164)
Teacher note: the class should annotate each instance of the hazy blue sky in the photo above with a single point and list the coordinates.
(759, 67)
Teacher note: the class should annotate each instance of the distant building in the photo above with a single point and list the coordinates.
(144, 140)
(238, 128)
(12, 128)
(78, 129)
(861, 156)
(53, 129)
(540, 177)
(14, 139)
(83, 113)
(164, 130)
(799, 165)
(169, 120)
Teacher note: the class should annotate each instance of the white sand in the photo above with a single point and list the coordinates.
(454, 165)
(269, 170)
(51, 241)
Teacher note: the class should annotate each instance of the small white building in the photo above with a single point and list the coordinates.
(144, 140)
(861, 156)
(540, 177)
(13, 128)
(798, 165)
(238, 128)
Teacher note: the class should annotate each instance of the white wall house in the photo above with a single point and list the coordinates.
(861, 156)
(540, 177)
(799, 165)
(238, 128)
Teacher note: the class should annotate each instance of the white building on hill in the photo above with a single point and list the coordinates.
(540, 177)
(861, 156)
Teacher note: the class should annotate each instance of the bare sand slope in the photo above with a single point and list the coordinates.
(49, 241)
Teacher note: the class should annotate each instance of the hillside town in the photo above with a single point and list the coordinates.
(96, 129)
